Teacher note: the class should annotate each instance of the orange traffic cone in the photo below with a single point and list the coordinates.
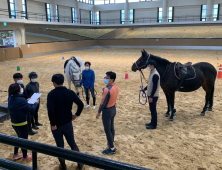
(219, 75)
(126, 76)
(168, 52)
(97, 51)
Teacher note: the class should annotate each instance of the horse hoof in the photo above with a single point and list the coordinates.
(171, 119)
(202, 114)
(209, 109)
(167, 115)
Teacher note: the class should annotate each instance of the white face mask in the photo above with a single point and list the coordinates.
(148, 68)
(33, 80)
(20, 81)
(87, 68)
(21, 91)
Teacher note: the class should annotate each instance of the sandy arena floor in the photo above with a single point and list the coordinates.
(191, 142)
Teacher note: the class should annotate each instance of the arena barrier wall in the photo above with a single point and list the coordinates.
(70, 155)
(39, 48)
(10, 53)
(55, 46)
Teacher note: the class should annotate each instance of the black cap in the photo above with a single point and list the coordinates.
(17, 75)
(58, 79)
(151, 62)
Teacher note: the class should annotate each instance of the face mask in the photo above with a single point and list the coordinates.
(148, 69)
(21, 91)
(33, 80)
(87, 68)
(106, 81)
(20, 81)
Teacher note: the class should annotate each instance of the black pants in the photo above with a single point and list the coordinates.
(92, 93)
(35, 116)
(67, 131)
(153, 111)
(108, 123)
(22, 132)
(29, 120)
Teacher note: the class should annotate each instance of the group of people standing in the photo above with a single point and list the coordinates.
(60, 102)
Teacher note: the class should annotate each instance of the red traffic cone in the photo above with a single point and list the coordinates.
(126, 76)
(219, 75)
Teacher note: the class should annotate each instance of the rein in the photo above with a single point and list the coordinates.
(142, 92)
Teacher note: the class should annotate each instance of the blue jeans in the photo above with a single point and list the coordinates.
(67, 131)
(22, 132)
(92, 93)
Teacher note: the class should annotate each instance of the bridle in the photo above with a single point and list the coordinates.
(142, 67)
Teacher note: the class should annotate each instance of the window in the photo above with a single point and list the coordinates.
(203, 12)
(122, 16)
(57, 13)
(131, 16)
(97, 17)
(120, 1)
(216, 12)
(11, 9)
(159, 14)
(91, 17)
(24, 9)
(73, 10)
(48, 12)
(170, 19)
(98, 2)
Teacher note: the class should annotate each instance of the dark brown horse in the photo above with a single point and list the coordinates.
(205, 76)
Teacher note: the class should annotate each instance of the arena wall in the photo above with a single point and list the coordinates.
(85, 16)
(4, 5)
(65, 11)
(110, 15)
(56, 46)
(10, 53)
(38, 8)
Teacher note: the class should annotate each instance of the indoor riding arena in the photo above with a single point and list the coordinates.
(39, 36)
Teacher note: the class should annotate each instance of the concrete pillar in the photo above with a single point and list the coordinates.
(94, 15)
(77, 12)
(127, 12)
(165, 11)
(209, 10)
(53, 11)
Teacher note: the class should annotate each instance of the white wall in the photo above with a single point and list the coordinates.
(34, 10)
(150, 15)
(85, 16)
(65, 14)
(187, 13)
(110, 17)
(4, 5)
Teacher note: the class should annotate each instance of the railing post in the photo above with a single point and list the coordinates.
(34, 160)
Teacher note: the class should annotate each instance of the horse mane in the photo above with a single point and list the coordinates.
(160, 60)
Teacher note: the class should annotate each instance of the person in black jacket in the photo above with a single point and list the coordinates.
(19, 109)
(31, 88)
(59, 105)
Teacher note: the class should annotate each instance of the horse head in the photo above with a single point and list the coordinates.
(141, 62)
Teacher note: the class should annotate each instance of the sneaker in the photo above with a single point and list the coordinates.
(38, 124)
(16, 157)
(28, 158)
(87, 105)
(109, 151)
(93, 107)
(62, 167)
(32, 132)
(151, 127)
(35, 127)
(148, 124)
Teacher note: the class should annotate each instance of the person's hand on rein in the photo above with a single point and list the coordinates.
(150, 100)
(74, 117)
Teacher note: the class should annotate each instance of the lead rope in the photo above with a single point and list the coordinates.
(142, 92)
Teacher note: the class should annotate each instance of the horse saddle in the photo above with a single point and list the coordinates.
(184, 71)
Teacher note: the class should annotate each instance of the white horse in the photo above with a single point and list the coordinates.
(73, 68)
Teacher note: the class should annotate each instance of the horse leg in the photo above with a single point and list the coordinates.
(173, 111)
(211, 99)
(207, 98)
(69, 83)
(167, 114)
(77, 90)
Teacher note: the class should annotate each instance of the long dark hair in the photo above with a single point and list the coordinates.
(14, 89)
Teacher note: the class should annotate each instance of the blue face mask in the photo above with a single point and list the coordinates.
(106, 81)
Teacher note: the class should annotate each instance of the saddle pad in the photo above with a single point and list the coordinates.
(191, 73)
